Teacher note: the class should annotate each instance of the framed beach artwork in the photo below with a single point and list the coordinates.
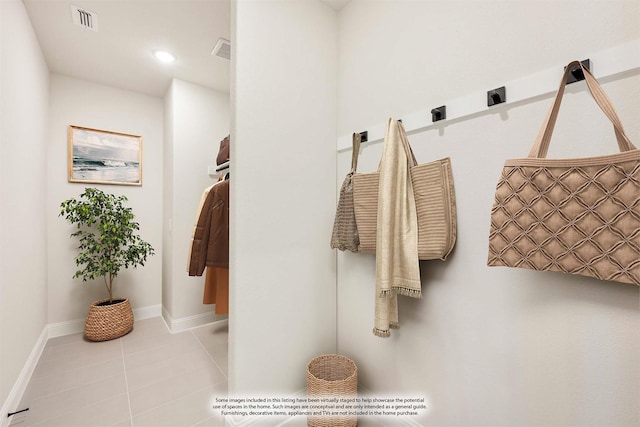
(104, 157)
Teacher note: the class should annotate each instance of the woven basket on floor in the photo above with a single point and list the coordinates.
(328, 376)
(107, 322)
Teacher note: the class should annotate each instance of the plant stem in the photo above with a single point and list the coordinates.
(108, 287)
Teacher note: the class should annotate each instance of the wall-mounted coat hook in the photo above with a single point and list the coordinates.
(439, 113)
(577, 74)
(364, 136)
(496, 96)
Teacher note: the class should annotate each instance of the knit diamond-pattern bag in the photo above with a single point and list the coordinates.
(578, 216)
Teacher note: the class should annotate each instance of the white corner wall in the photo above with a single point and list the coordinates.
(196, 120)
(167, 205)
(282, 284)
(489, 346)
(24, 94)
(87, 104)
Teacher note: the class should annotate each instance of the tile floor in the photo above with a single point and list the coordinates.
(149, 377)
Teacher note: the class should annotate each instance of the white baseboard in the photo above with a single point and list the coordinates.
(19, 387)
(76, 326)
(147, 312)
(67, 327)
(189, 322)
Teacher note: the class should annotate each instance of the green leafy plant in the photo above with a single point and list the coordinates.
(106, 232)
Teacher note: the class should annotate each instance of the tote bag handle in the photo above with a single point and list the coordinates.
(407, 147)
(355, 144)
(405, 143)
(541, 145)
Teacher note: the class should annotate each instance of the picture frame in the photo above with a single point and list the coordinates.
(104, 157)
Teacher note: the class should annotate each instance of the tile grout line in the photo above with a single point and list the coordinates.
(46, 419)
(209, 354)
(156, 346)
(126, 381)
(70, 411)
(177, 398)
(127, 387)
(67, 372)
(146, 411)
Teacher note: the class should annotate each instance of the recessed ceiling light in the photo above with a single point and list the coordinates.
(163, 56)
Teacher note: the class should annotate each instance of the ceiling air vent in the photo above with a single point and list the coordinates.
(84, 18)
(222, 49)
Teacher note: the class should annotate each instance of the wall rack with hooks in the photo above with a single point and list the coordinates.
(615, 62)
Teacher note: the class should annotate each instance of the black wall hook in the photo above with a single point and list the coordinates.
(496, 96)
(439, 113)
(577, 74)
(364, 136)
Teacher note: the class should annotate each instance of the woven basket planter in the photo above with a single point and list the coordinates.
(107, 322)
(333, 376)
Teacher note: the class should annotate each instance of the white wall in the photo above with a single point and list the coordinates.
(398, 55)
(282, 284)
(87, 104)
(24, 93)
(489, 346)
(167, 204)
(197, 119)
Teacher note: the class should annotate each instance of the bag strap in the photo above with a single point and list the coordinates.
(405, 143)
(541, 145)
(355, 145)
(407, 146)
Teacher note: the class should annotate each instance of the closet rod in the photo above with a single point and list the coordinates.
(223, 166)
(216, 171)
(617, 61)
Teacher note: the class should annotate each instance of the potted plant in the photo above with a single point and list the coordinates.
(108, 242)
